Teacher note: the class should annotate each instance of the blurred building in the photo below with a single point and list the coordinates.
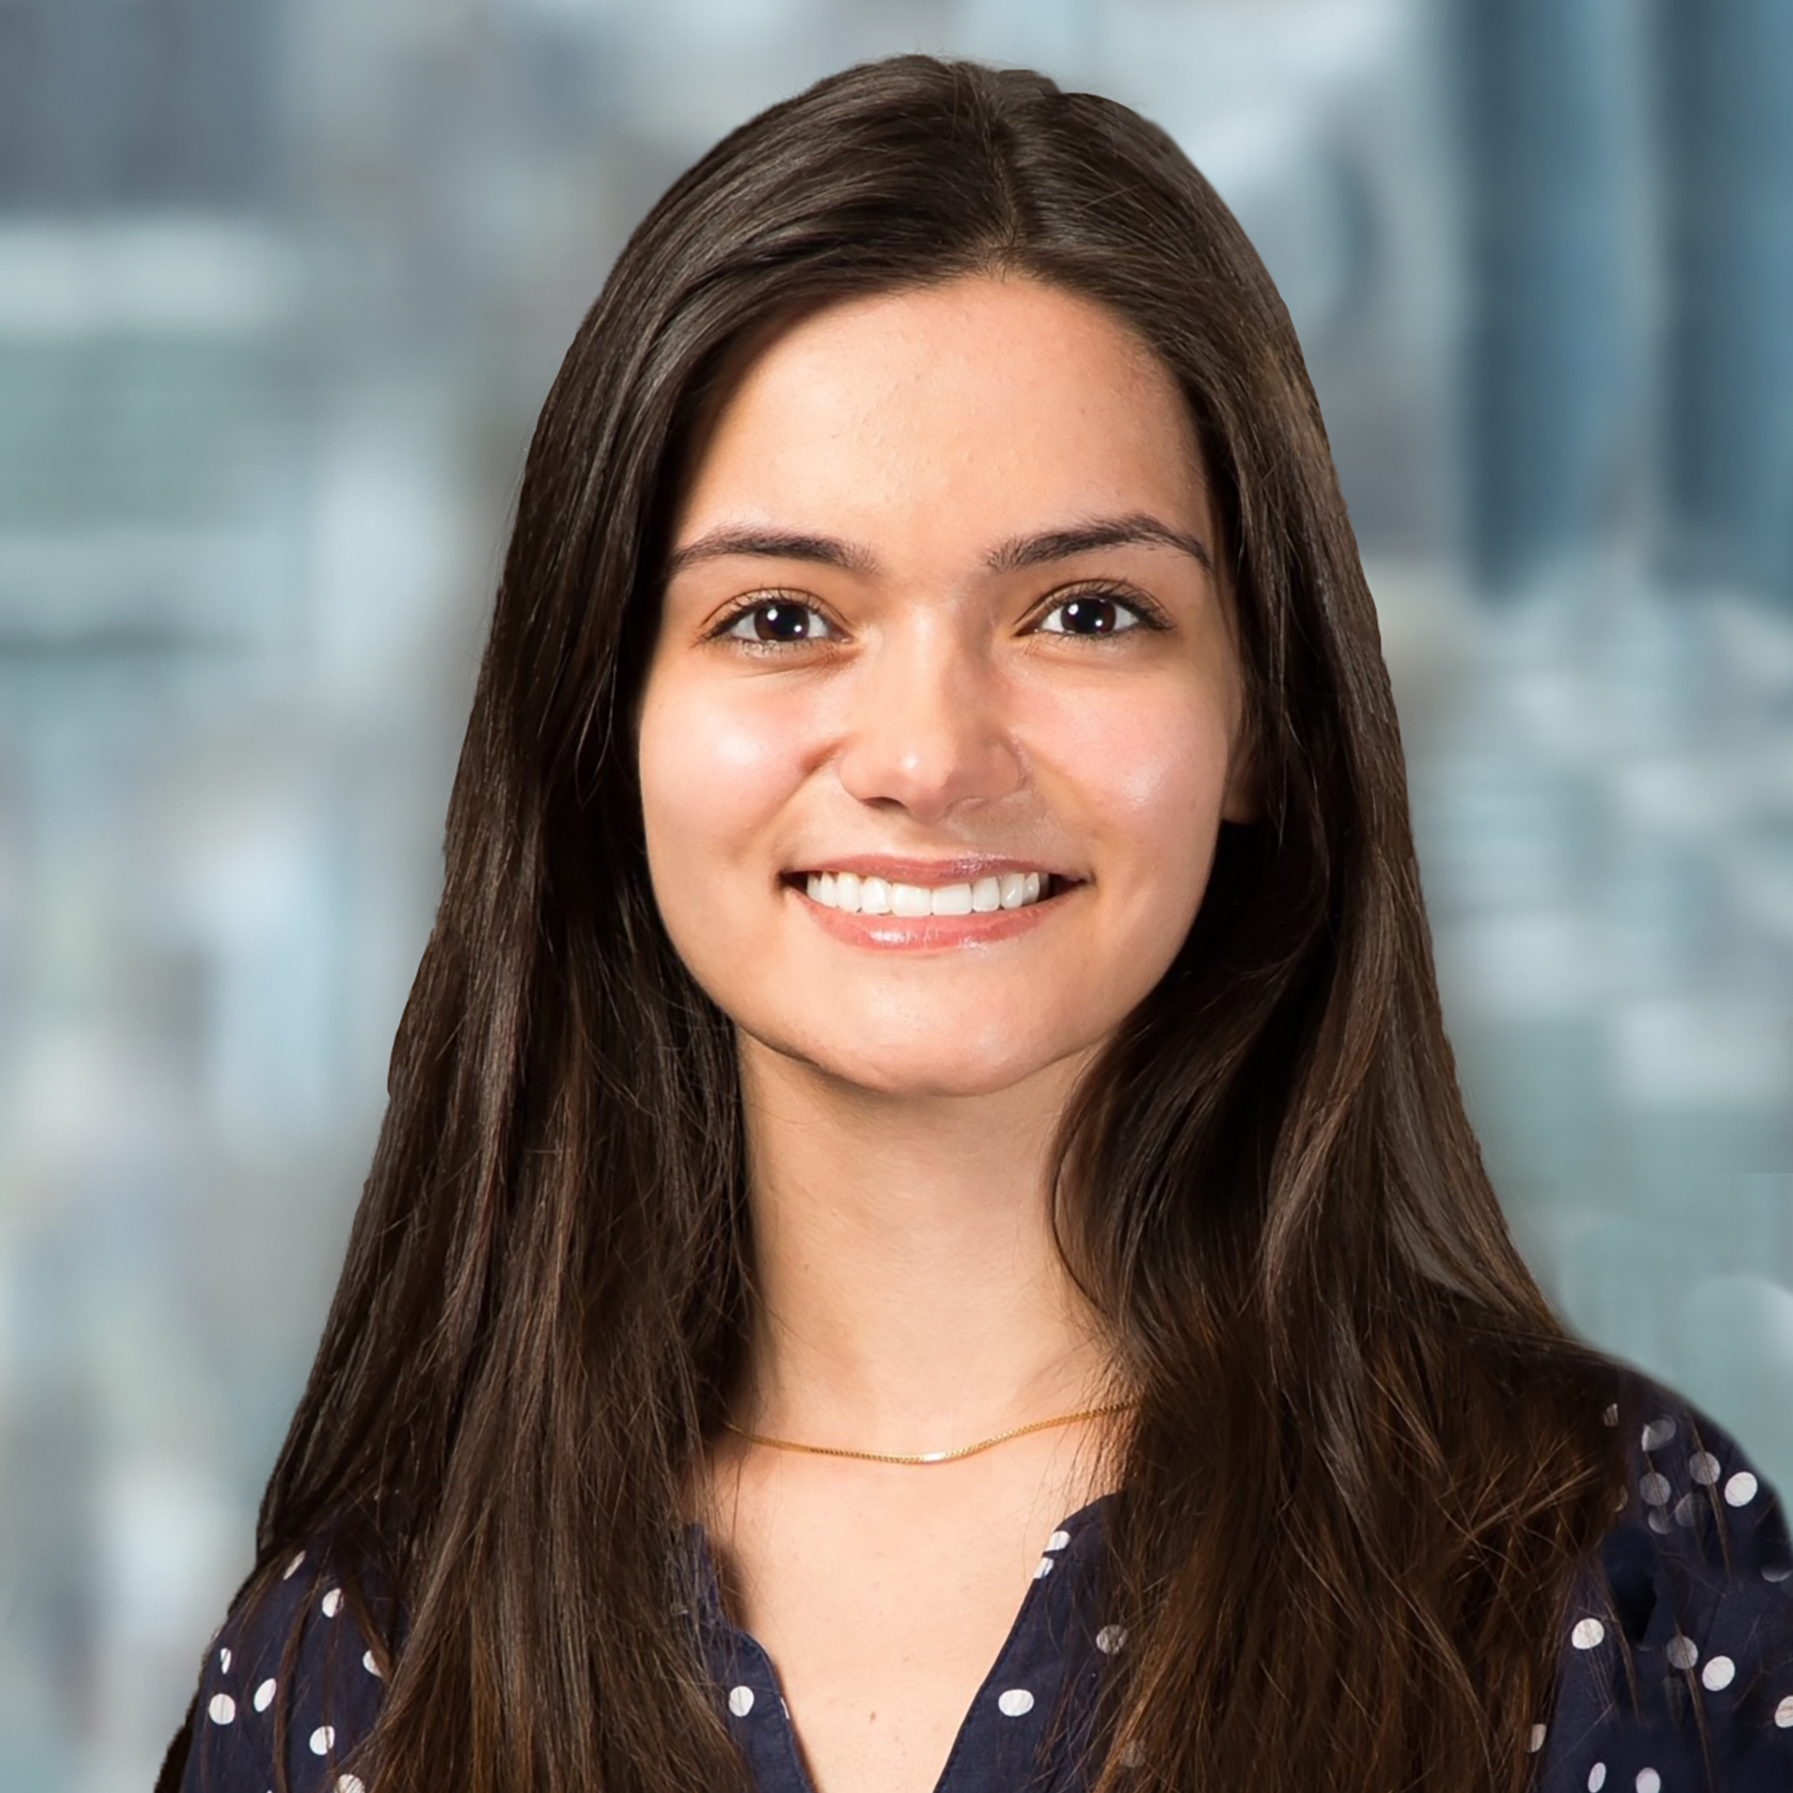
(1607, 821)
(1726, 208)
(281, 285)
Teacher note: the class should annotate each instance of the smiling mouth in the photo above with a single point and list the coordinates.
(856, 895)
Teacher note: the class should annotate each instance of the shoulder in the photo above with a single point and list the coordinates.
(1676, 1664)
(294, 1676)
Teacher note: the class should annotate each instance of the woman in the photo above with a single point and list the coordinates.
(929, 1050)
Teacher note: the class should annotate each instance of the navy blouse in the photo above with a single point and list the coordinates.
(1675, 1667)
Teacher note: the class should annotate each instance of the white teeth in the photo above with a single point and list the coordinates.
(855, 895)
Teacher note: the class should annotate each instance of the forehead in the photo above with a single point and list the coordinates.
(943, 416)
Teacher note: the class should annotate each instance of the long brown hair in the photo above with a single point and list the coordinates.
(1366, 1457)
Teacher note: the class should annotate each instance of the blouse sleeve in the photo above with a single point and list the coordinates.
(291, 1678)
(1676, 1666)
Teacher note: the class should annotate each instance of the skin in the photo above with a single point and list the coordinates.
(933, 692)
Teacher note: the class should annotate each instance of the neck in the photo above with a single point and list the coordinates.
(910, 1293)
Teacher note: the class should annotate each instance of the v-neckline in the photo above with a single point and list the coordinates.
(769, 1741)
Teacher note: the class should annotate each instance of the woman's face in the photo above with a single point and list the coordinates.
(944, 712)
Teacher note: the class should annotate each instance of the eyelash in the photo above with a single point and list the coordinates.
(752, 607)
(1146, 613)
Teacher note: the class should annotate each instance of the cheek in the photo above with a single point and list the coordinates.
(713, 770)
(1152, 777)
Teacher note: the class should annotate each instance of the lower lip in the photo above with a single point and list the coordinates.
(928, 933)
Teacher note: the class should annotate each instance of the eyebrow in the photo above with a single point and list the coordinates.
(1024, 551)
(1012, 556)
(771, 544)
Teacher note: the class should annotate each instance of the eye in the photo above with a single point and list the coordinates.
(1096, 613)
(777, 620)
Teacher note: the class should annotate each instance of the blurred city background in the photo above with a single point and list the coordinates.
(282, 283)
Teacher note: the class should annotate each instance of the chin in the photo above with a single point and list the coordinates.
(937, 1067)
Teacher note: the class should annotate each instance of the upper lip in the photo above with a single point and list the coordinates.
(930, 872)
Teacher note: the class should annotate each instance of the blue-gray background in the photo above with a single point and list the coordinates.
(282, 283)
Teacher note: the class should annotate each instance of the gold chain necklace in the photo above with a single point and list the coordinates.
(927, 1457)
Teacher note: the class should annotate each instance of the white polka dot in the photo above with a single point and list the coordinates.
(323, 1740)
(1703, 1467)
(1017, 1702)
(1682, 1652)
(1536, 1741)
(331, 1604)
(1685, 1510)
(224, 1660)
(223, 1709)
(1740, 1490)
(264, 1695)
(1596, 1777)
(1783, 1713)
(1042, 1568)
(1648, 1781)
(1655, 1489)
(1657, 1433)
(1058, 1540)
(740, 1701)
(292, 1568)
(1129, 1755)
(1587, 1633)
(1611, 1415)
(1110, 1638)
(349, 1783)
(1776, 1572)
(1719, 1673)
(1659, 1521)
(368, 1663)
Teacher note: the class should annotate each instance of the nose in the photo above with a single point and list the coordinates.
(930, 730)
